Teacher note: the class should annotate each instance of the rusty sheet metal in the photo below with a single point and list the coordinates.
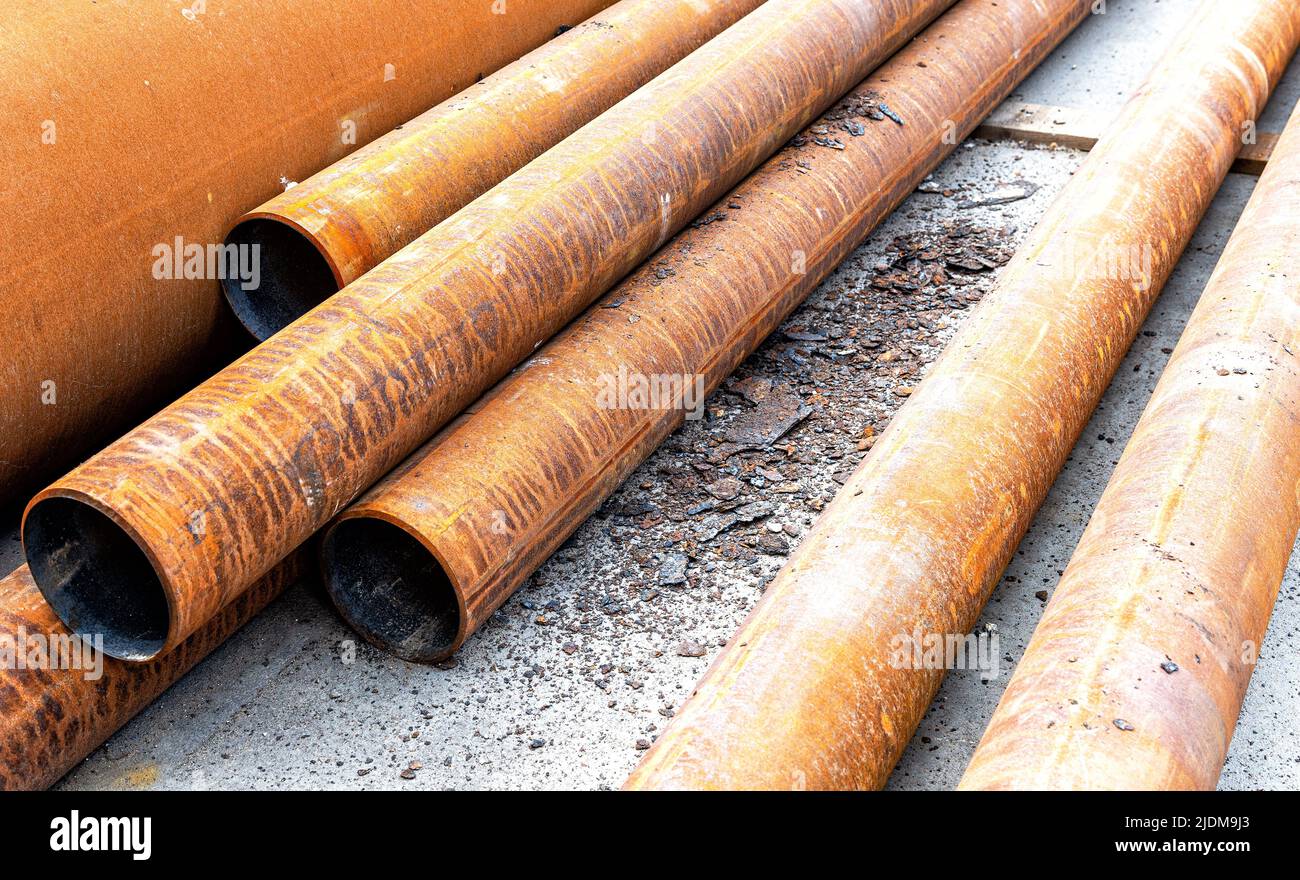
(821, 687)
(330, 230)
(1136, 673)
(129, 126)
(428, 554)
(221, 485)
(51, 718)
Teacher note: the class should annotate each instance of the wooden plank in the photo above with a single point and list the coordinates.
(1079, 129)
(1042, 124)
(1253, 157)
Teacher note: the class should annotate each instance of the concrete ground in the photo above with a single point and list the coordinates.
(575, 675)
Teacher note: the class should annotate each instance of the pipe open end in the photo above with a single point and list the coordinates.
(96, 578)
(291, 278)
(391, 589)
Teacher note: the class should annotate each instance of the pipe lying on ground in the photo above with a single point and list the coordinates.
(54, 714)
(130, 128)
(149, 538)
(821, 688)
(431, 551)
(330, 230)
(1136, 673)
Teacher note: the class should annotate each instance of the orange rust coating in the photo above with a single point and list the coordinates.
(50, 719)
(364, 208)
(1183, 558)
(493, 498)
(221, 485)
(128, 124)
(819, 689)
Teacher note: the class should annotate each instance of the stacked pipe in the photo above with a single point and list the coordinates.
(1136, 673)
(428, 554)
(920, 533)
(51, 720)
(179, 533)
(328, 231)
(136, 133)
(51, 715)
(150, 538)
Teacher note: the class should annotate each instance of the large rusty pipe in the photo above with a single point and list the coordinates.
(330, 230)
(131, 128)
(148, 539)
(1136, 673)
(54, 712)
(430, 552)
(819, 688)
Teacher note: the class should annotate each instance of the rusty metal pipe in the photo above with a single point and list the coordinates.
(819, 689)
(1136, 673)
(131, 125)
(51, 718)
(225, 482)
(430, 552)
(330, 230)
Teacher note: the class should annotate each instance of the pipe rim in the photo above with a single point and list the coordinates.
(120, 595)
(300, 276)
(409, 636)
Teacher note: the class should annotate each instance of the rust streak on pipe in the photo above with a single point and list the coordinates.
(817, 689)
(129, 126)
(52, 718)
(330, 230)
(1136, 673)
(428, 554)
(149, 538)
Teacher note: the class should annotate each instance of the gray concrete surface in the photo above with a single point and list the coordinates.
(1108, 56)
(584, 665)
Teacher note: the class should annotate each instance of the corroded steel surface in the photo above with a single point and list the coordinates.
(493, 497)
(818, 689)
(360, 210)
(130, 124)
(225, 482)
(52, 718)
(1136, 673)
